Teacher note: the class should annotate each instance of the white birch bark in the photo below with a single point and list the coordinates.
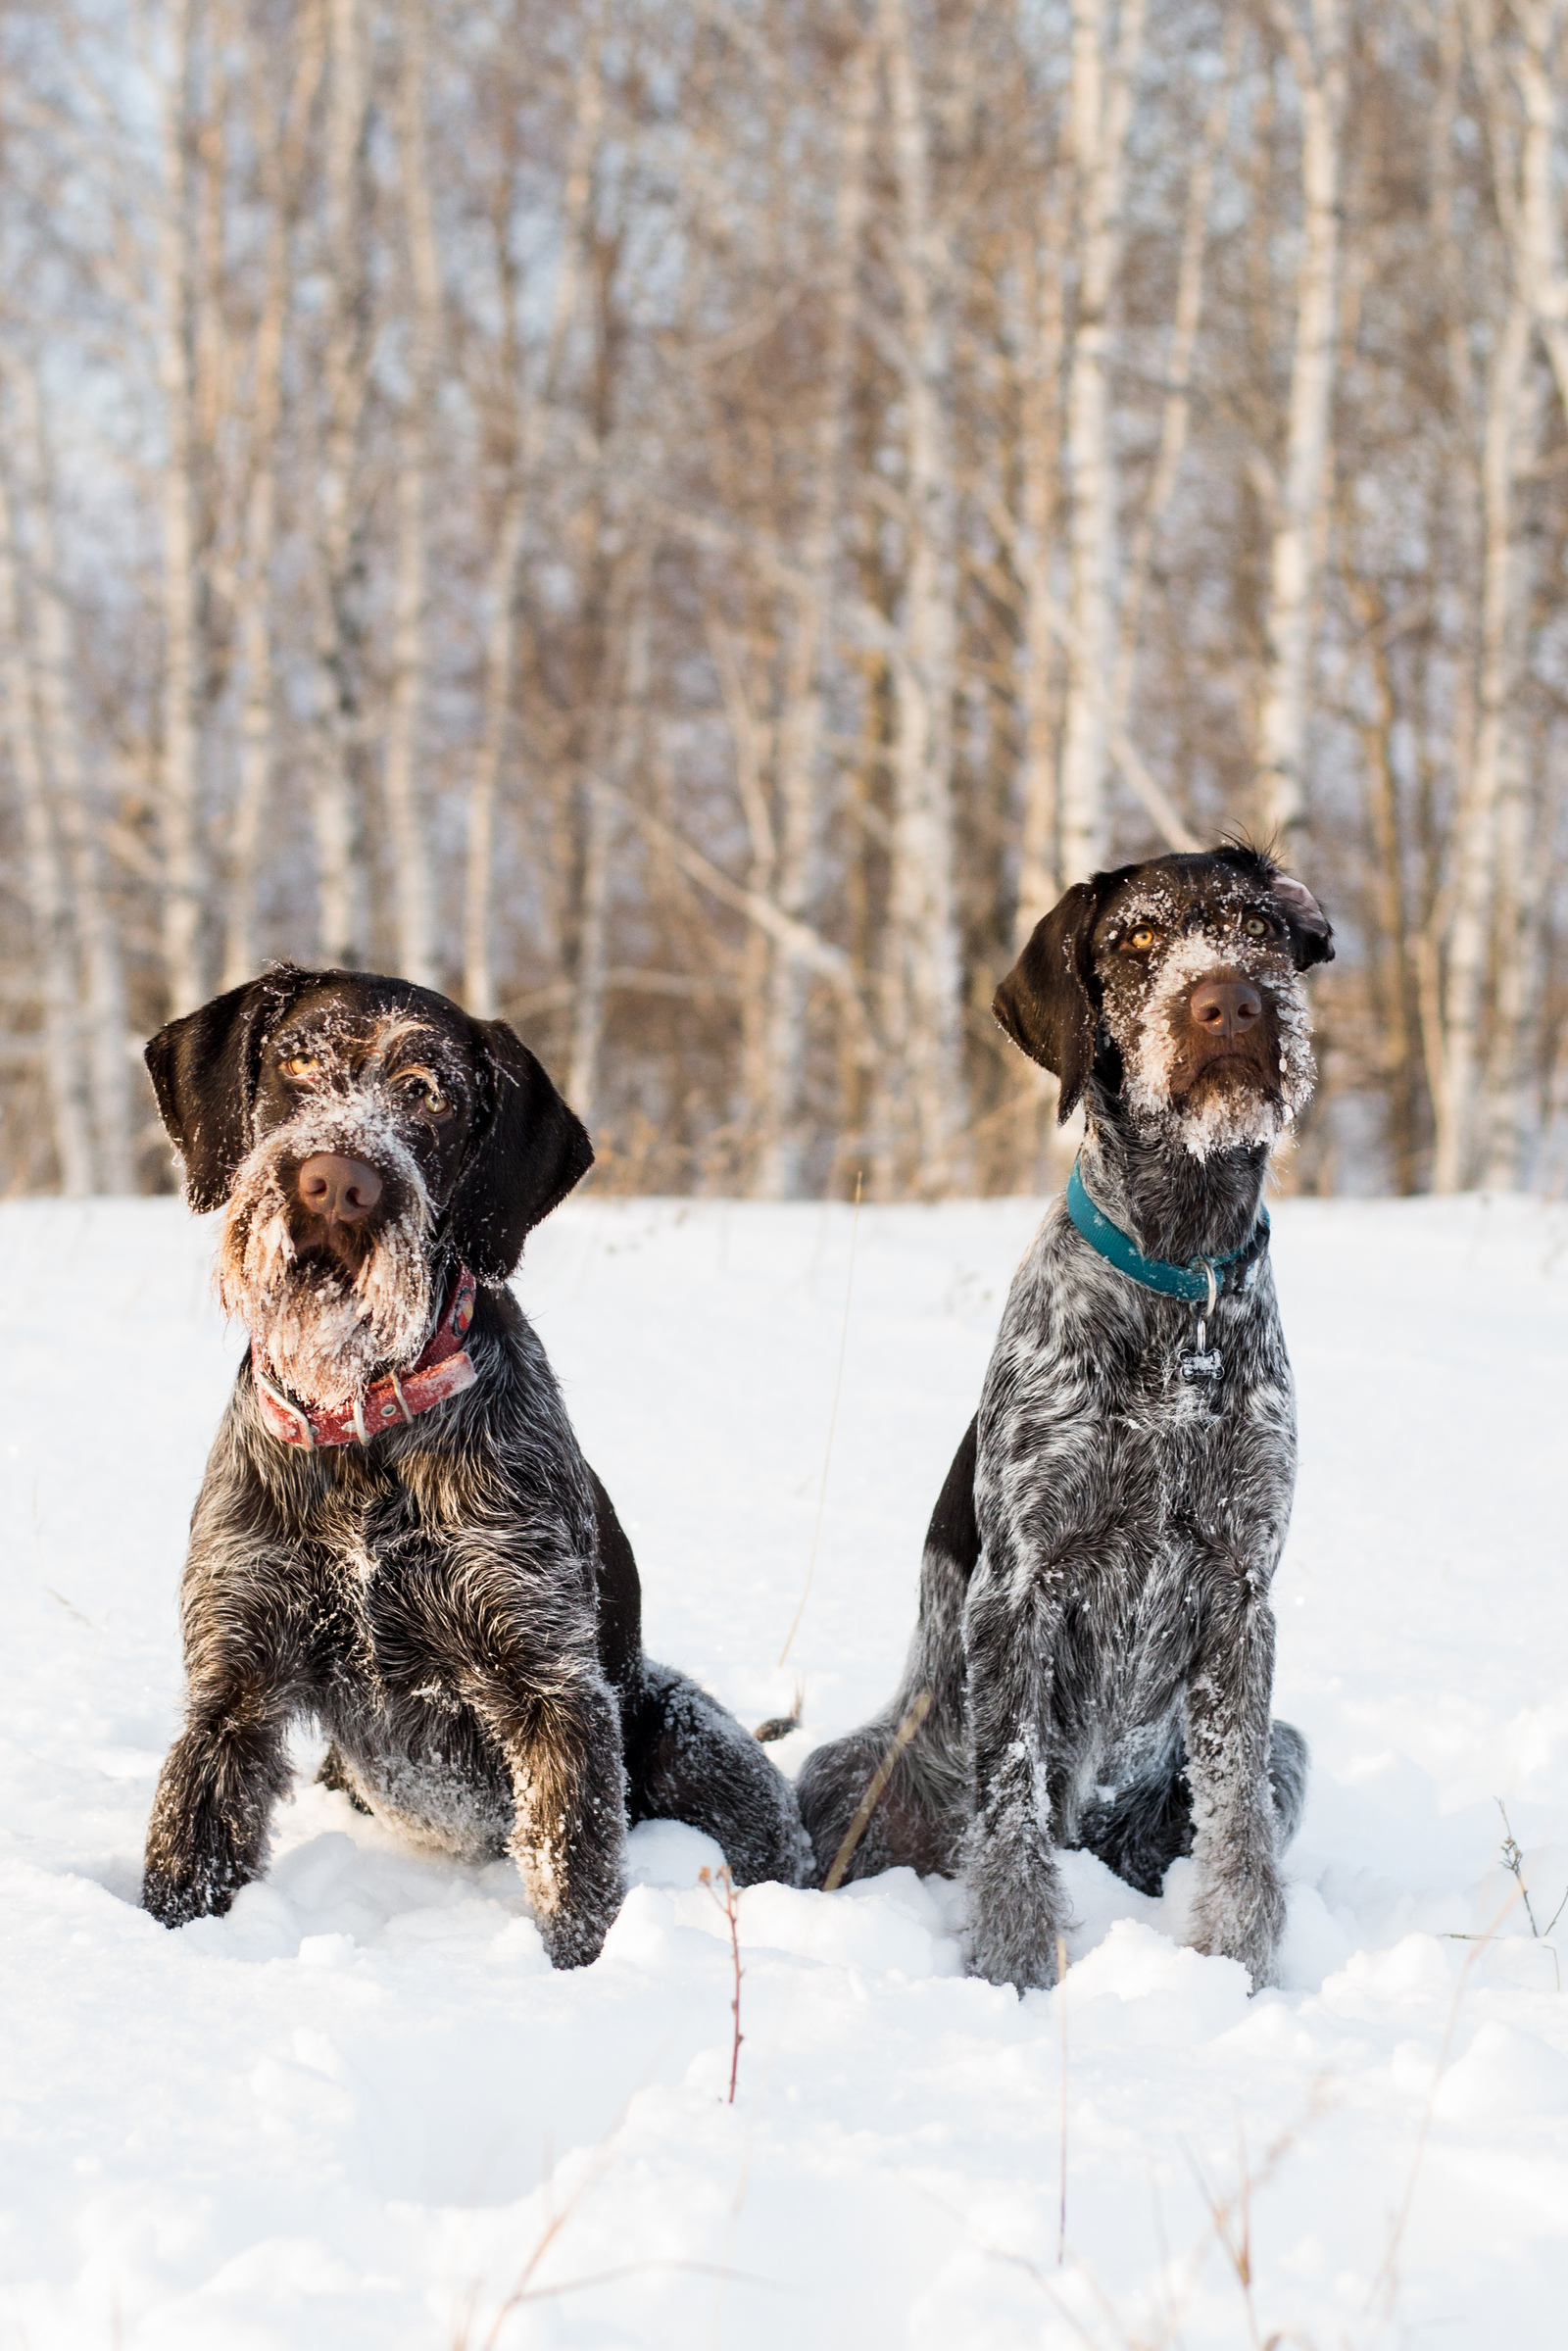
(779, 1158)
(534, 410)
(621, 735)
(750, 738)
(254, 618)
(413, 882)
(179, 781)
(1101, 105)
(1534, 222)
(500, 660)
(920, 1120)
(340, 876)
(1525, 170)
(107, 1061)
(1470, 931)
(64, 1066)
(1317, 63)
(1175, 420)
(1040, 426)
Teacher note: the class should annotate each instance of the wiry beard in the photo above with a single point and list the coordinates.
(325, 1327)
(1227, 1108)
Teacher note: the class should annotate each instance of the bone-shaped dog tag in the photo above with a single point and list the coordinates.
(1203, 1362)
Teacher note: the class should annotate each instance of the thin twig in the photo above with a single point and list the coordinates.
(714, 1879)
(832, 1420)
(879, 1780)
(1513, 1861)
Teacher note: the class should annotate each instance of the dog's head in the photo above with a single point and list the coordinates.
(1176, 986)
(359, 1134)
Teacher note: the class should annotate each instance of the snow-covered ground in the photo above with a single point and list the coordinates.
(362, 2111)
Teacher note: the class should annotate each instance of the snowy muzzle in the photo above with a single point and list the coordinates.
(1208, 1100)
(328, 1316)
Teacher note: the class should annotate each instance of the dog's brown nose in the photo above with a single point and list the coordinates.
(337, 1189)
(1224, 1006)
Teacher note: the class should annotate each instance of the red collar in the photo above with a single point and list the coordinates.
(443, 1369)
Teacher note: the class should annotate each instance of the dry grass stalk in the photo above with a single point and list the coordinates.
(873, 1794)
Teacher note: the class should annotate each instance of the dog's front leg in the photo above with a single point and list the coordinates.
(207, 1837)
(562, 1746)
(1018, 1905)
(1238, 1908)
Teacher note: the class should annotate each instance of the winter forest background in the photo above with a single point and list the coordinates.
(685, 525)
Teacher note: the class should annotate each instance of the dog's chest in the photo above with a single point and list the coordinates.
(380, 1586)
(1095, 1447)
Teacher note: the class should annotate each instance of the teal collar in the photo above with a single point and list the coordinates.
(1201, 1281)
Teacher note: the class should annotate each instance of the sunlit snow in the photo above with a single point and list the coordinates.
(361, 2112)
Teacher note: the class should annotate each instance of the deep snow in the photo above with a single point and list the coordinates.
(362, 2111)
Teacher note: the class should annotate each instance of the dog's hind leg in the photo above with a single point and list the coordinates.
(1145, 1826)
(919, 1818)
(1150, 1824)
(689, 1760)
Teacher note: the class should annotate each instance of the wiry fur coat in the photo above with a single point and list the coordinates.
(1094, 1633)
(453, 1598)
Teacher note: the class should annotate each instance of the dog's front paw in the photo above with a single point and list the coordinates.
(1240, 1915)
(573, 1938)
(174, 1897)
(1016, 1913)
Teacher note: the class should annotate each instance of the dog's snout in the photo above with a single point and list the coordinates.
(336, 1188)
(1224, 1005)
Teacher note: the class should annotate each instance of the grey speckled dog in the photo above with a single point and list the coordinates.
(397, 1532)
(1095, 1627)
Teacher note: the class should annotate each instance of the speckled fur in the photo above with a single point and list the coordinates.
(455, 1604)
(1094, 1616)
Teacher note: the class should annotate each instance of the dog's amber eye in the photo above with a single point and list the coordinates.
(1143, 938)
(429, 1097)
(1256, 927)
(301, 1066)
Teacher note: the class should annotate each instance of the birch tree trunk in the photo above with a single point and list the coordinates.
(779, 1158)
(1317, 63)
(1531, 222)
(530, 433)
(179, 782)
(1102, 106)
(411, 880)
(616, 741)
(63, 1068)
(340, 876)
(107, 1058)
(1176, 411)
(254, 618)
(1526, 804)
(1476, 843)
(757, 1079)
(1040, 427)
(921, 1126)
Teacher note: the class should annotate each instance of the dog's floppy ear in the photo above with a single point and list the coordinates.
(204, 1069)
(527, 1151)
(1045, 1005)
(1312, 932)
